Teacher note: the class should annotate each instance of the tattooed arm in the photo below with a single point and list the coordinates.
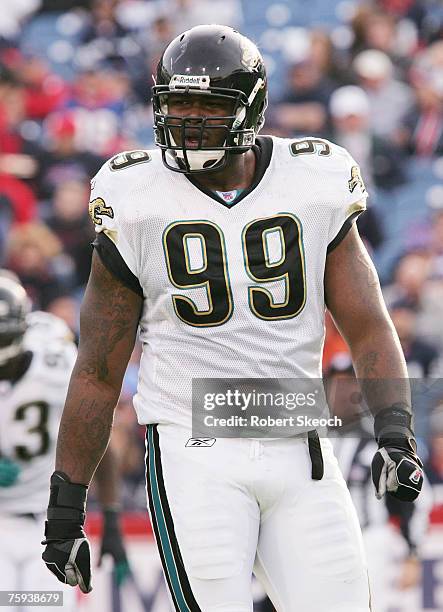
(354, 298)
(108, 325)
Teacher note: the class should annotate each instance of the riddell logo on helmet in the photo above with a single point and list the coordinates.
(189, 80)
(415, 476)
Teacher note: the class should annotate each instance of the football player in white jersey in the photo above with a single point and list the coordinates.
(36, 359)
(225, 247)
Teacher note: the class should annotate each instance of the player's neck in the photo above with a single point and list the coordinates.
(237, 174)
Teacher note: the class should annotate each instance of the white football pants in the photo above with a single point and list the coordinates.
(239, 506)
(21, 565)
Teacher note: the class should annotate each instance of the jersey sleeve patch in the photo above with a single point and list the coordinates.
(114, 262)
(107, 208)
(99, 209)
(356, 180)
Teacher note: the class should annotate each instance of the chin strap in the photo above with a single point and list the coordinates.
(198, 160)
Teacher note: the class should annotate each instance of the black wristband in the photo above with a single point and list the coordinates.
(65, 514)
(393, 424)
(67, 500)
(62, 530)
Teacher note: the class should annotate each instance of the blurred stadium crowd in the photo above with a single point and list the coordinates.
(75, 78)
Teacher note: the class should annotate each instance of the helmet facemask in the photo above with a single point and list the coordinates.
(218, 62)
(172, 131)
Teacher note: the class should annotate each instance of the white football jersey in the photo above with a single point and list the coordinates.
(230, 290)
(30, 413)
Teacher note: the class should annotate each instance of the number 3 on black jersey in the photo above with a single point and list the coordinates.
(213, 275)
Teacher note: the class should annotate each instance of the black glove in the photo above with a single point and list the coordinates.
(67, 554)
(396, 467)
(112, 544)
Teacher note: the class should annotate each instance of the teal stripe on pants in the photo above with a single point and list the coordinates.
(165, 541)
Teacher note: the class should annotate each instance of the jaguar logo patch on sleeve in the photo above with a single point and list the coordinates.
(98, 208)
(356, 179)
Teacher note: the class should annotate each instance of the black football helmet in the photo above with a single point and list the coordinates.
(209, 60)
(14, 309)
